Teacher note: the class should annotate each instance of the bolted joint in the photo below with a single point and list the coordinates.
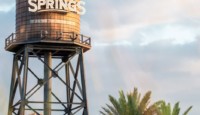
(78, 50)
(67, 110)
(18, 57)
(83, 104)
(65, 59)
(40, 82)
(55, 74)
(25, 102)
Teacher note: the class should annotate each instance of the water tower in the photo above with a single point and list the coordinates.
(49, 34)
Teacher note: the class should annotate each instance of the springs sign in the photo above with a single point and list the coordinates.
(57, 6)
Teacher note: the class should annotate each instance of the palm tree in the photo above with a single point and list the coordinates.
(166, 109)
(132, 104)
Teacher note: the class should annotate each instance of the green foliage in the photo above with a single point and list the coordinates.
(134, 104)
(165, 109)
(187, 111)
(131, 104)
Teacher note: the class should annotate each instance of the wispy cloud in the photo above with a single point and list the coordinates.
(147, 22)
(176, 34)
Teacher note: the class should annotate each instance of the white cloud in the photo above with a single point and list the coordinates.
(163, 17)
(116, 43)
(117, 34)
(174, 34)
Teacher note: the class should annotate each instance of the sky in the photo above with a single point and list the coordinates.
(149, 44)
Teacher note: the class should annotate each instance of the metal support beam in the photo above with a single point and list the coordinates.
(68, 83)
(85, 111)
(12, 86)
(72, 80)
(48, 85)
(24, 86)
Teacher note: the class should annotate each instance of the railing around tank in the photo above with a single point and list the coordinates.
(10, 39)
(58, 36)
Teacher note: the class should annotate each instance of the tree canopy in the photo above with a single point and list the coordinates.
(134, 104)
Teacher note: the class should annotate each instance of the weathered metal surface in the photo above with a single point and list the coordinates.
(48, 85)
(74, 87)
(12, 43)
(31, 25)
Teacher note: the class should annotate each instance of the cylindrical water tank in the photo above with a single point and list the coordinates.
(49, 24)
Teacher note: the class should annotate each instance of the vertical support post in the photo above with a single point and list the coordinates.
(24, 86)
(82, 70)
(68, 83)
(12, 85)
(48, 85)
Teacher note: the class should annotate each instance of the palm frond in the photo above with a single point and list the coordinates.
(144, 102)
(187, 111)
(113, 110)
(176, 109)
(115, 104)
(123, 103)
(107, 111)
(153, 109)
(132, 108)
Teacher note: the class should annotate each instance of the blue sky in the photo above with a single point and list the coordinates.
(149, 44)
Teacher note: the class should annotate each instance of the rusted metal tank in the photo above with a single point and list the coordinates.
(44, 24)
(49, 24)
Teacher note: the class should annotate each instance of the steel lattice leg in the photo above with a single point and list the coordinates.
(12, 86)
(73, 81)
(85, 112)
